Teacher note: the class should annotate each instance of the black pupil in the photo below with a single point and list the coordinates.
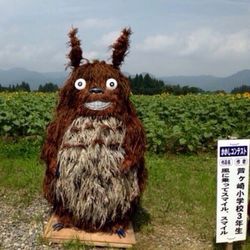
(112, 84)
(79, 84)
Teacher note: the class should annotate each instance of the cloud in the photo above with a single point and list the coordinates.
(237, 1)
(94, 23)
(90, 55)
(199, 41)
(204, 42)
(108, 38)
(209, 36)
(157, 43)
(41, 58)
(214, 45)
(237, 43)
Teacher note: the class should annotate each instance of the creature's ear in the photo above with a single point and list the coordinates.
(120, 48)
(75, 54)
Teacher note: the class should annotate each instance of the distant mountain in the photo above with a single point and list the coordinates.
(17, 75)
(211, 83)
(205, 82)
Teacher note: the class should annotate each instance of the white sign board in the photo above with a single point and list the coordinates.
(232, 190)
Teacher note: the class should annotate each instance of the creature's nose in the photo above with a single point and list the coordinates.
(95, 90)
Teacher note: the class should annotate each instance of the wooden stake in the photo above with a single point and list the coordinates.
(229, 246)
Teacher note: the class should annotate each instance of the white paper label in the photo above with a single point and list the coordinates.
(232, 190)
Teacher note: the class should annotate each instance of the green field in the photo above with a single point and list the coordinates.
(190, 123)
(179, 202)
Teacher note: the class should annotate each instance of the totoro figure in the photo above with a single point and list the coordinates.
(94, 147)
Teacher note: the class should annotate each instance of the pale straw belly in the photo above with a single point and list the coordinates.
(90, 184)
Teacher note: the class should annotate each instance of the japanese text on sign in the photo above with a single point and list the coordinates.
(233, 151)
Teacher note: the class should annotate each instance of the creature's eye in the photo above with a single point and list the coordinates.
(111, 83)
(80, 83)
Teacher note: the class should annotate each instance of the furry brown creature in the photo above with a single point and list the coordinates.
(94, 148)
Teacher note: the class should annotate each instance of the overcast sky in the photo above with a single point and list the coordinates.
(170, 37)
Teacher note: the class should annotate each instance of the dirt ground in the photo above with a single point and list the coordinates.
(22, 228)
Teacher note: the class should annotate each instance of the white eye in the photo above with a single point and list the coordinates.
(111, 83)
(80, 83)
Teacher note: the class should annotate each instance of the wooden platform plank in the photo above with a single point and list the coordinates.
(96, 239)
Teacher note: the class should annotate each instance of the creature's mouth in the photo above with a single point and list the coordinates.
(97, 105)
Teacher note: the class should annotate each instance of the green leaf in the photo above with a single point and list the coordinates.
(182, 141)
(6, 128)
(190, 147)
(16, 122)
(176, 129)
(207, 135)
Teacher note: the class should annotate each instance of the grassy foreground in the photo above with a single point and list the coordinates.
(181, 190)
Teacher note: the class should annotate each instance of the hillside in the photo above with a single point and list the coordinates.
(17, 75)
(205, 82)
(211, 83)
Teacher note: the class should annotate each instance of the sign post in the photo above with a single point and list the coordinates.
(232, 190)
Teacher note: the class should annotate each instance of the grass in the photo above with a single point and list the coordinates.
(75, 245)
(20, 170)
(181, 191)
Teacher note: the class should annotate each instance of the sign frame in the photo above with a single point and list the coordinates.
(232, 190)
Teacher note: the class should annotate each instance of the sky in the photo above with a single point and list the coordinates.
(170, 37)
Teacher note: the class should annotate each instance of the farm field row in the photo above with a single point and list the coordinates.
(190, 123)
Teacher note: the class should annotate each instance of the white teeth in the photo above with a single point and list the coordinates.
(97, 105)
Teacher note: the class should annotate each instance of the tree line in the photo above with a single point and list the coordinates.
(147, 85)
(140, 85)
(242, 89)
(24, 86)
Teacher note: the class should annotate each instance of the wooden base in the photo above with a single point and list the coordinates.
(93, 239)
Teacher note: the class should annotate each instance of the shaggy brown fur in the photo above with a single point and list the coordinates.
(75, 54)
(129, 148)
(120, 48)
